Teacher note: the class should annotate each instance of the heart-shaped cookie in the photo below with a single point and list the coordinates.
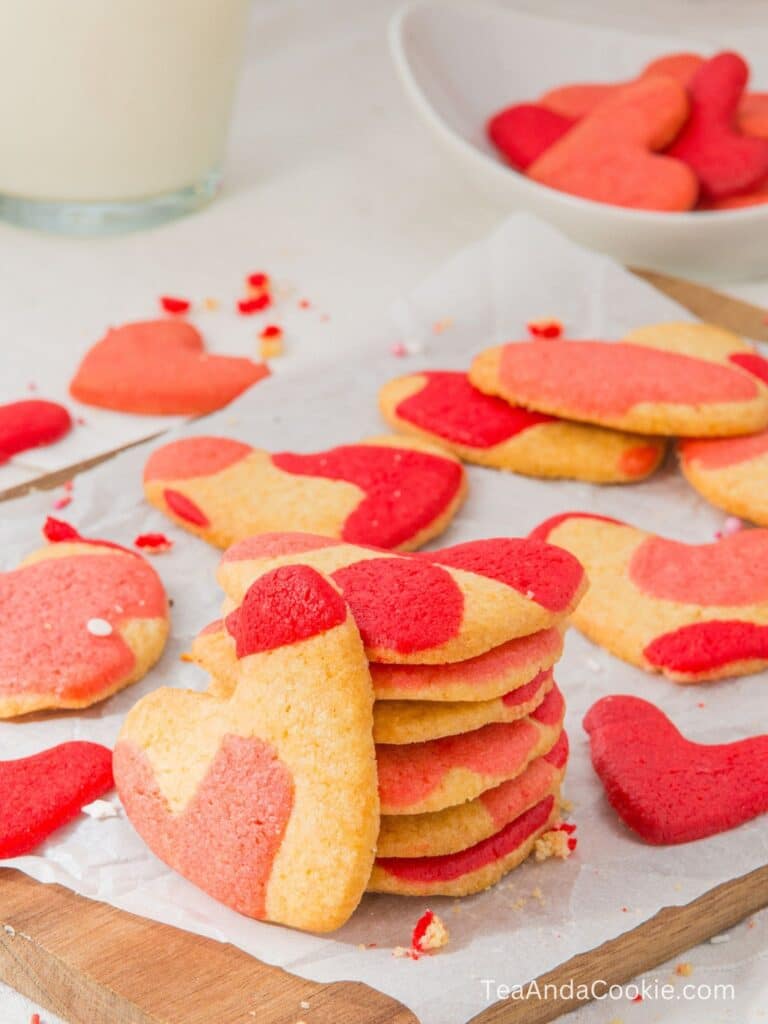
(704, 341)
(524, 131)
(266, 798)
(79, 620)
(160, 367)
(576, 101)
(731, 472)
(441, 606)
(667, 788)
(443, 407)
(725, 161)
(611, 155)
(31, 424)
(627, 386)
(457, 828)
(691, 611)
(388, 491)
(45, 791)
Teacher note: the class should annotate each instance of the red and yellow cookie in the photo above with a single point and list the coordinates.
(442, 606)
(456, 828)
(471, 870)
(705, 341)
(731, 472)
(79, 620)
(418, 778)
(625, 385)
(691, 611)
(266, 798)
(414, 721)
(386, 491)
(443, 407)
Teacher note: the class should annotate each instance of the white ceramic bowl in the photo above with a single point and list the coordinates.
(459, 63)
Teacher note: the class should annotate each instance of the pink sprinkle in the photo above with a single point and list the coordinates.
(31, 386)
(68, 485)
(399, 349)
(80, 421)
(731, 525)
(62, 502)
(304, 303)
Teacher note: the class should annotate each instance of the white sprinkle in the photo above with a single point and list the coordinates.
(9, 929)
(101, 809)
(594, 665)
(530, 594)
(717, 939)
(304, 1004)
(98, 627)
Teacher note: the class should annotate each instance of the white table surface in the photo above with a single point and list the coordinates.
(335, 188)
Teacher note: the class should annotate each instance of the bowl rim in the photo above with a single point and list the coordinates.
(399, 54)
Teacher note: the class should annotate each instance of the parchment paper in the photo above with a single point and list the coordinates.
(483, 296)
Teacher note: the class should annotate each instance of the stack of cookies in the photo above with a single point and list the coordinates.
(468, 719)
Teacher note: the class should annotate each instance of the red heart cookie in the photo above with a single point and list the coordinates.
(523, 132)
(266, 798)
(628, 386)
(576, 101)
(610, 156)
(443, 407)
(31, 424)
(667, 788)
(79, 620)
(388, 491)
(725, 161)
(45, 791)
(691, 611)
(160, 367)
(444, 606)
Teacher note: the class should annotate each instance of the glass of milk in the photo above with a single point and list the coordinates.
(114, 113)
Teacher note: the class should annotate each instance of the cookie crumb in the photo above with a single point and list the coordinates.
(304, 1004)
(400, 952)
(557, 842)
(99, 627)
(442, 325)
(547, 327)
(537, 894)
(716, 940)
(174, 305)
(210, 305)
(153, 543)
(429, 933)
(684, 970)
(271, 342)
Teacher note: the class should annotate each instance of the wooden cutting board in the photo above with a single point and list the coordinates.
(92, 964)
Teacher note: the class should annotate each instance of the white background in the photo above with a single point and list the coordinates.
(335, 188)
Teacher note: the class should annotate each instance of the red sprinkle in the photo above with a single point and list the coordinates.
(247, 307)
(572, 844)
(304, 303)
(170, 304)
(420, 930)
(272, 331)
(34, 1019)
(153, 543)
(56, 530)
(549, 328)
(258, 280)
(567, 826)
(638, 998)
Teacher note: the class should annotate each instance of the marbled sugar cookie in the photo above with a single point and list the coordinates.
(79, 620)
(387, 491)
(443, 407)
(731, 472)
(442, 606)
(625, 385)
(418, 778)
(456, 828)
(266, 798)
(705, 341)
(470, 870)
(692, 611)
